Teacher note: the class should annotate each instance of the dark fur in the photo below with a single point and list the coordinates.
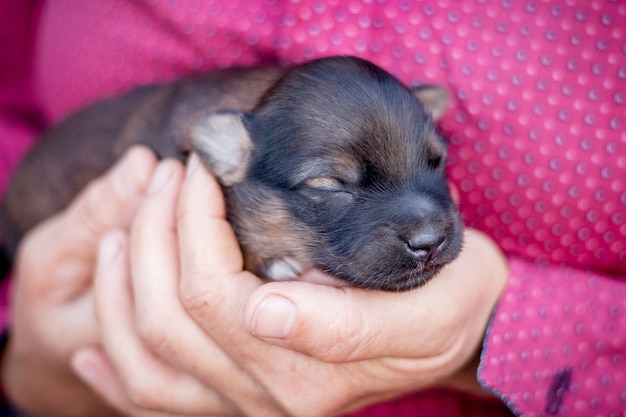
(336, 167)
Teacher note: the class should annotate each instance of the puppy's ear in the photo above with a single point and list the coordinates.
(224, 146)
(435, 99)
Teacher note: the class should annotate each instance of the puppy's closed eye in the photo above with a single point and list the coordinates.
(327, 189)
(436, 161)
(436, 152)
(326, 184)
(328, 176)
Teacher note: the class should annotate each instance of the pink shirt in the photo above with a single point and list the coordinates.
(537, 129)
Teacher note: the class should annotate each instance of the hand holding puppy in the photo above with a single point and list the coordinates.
(291, 348)
(53, 298)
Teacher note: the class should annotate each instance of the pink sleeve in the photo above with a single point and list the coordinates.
(19, 114)
(557, 342)
(537, 147)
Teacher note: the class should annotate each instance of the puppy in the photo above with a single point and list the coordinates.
(333, 164)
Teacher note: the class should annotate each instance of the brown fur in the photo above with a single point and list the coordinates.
(333, 165)
(89, 141)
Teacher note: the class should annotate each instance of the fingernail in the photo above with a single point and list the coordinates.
(192, 164)
(125, 176)
(110, 246)
(273, 318)
(160, 177)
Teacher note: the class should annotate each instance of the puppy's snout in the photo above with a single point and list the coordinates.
(424, 245)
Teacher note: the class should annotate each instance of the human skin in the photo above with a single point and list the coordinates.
(273, 349)
(52, 294)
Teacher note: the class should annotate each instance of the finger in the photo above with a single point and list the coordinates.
(93, 368)
(213, 285)
(184, 343)
(149, 382)
(346, 324)
(66, 266)
(110, 201)
(214, 290)
(212, 265)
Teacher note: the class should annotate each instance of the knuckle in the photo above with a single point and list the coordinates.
(195, 297)
(151, 329)
(334, 350)
(348, 338)
(96, 211)
(208, 307)
(41, 256)
(36, 243)
(31, 248)
(141, 394)
(187, 213)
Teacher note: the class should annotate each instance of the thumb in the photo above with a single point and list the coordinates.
(333, 324)
(445, 319)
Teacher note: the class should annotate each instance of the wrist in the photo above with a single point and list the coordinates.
(466, 379)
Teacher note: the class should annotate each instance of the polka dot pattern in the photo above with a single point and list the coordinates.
(537, 146)
(587, 339)
(538, 93)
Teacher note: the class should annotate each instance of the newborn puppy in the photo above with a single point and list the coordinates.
(333, 165)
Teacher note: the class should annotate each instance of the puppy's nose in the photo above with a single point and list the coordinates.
(426, 245)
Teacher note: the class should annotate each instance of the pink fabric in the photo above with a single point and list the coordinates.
(20, 118)
(538, 148)
(19, 109)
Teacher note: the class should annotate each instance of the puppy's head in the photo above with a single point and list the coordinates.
(345, 172)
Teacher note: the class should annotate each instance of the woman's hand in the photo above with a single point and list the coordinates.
(52, 299)
(125, 369)
(284, 348)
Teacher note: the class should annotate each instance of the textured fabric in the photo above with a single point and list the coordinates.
(538, 148)
(20, 119)
(19, 115)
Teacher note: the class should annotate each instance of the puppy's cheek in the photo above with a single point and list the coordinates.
(276, 245)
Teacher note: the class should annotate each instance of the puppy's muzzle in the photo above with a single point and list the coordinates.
(426, 233)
